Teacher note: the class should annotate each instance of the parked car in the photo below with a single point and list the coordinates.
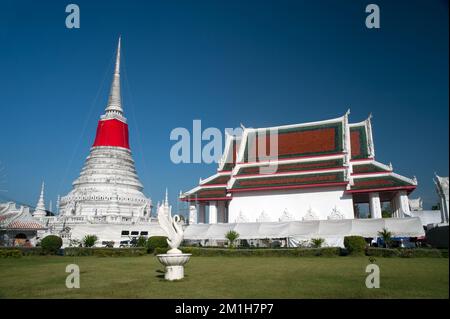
(124, 243)
(108, 244)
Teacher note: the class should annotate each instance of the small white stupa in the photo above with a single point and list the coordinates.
(40, 210)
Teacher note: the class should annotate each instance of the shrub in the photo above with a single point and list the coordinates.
(317, 242)
(141, 241)
(89, 240)
(231, 235)
(355, 245)
(51, 244)
(157, 242)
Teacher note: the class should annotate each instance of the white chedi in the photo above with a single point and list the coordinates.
(40, 206)
(108, 188)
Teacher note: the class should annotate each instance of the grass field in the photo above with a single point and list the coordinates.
(224, 277)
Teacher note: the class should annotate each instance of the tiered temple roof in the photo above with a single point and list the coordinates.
(13, 218)
(310, 155)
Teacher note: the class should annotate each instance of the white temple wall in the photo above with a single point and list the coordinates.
(111, 232)
(297, 202)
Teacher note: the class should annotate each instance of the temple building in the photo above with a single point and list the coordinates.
(321, 171)
(17, 226)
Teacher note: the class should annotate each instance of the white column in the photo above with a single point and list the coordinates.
(444, 210)
(192, 214)
(213, 212)
(375, 205)
(201, 214)
(404, 204)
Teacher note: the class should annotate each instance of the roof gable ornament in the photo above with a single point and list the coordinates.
(285, 216)
(263, 218)
(310, 215)
(241, 218)
(370, 136)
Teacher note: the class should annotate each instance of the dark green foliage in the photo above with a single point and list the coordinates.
(288, 252)
(51, 244)
(405, 253)
(157, 242)
(231, 235)
(6, 253)
(317, 242)
(26, 251)
(141, 242)
(355, 245)
(382, 252)
(386, 235)
(89, 240)
(104, 252)
(420, 252)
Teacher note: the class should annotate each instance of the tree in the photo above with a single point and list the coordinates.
(231, 236)
(317, 242)
(89, 240)
(386, 236)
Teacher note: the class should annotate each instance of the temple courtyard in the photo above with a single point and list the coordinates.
(224, 277)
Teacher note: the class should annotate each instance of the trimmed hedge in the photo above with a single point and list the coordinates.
(355, 245)
(382, 252)
(6, 253)
(291, 252)
(26, 251)
(420, 252)
(405, 252)
(104, 252)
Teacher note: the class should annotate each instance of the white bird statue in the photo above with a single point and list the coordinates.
(171, 226)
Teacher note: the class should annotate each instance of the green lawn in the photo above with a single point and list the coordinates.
(224, 277)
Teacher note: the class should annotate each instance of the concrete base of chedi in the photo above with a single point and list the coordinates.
(174, 264)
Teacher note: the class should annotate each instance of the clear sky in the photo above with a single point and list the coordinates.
(260, 63)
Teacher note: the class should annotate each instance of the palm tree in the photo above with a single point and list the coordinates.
(386, 236)
(232, 236)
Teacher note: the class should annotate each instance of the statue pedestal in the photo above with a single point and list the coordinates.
(174, 264)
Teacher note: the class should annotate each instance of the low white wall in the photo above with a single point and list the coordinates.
(297, 202)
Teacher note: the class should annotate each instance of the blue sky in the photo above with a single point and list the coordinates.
(261, 63)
